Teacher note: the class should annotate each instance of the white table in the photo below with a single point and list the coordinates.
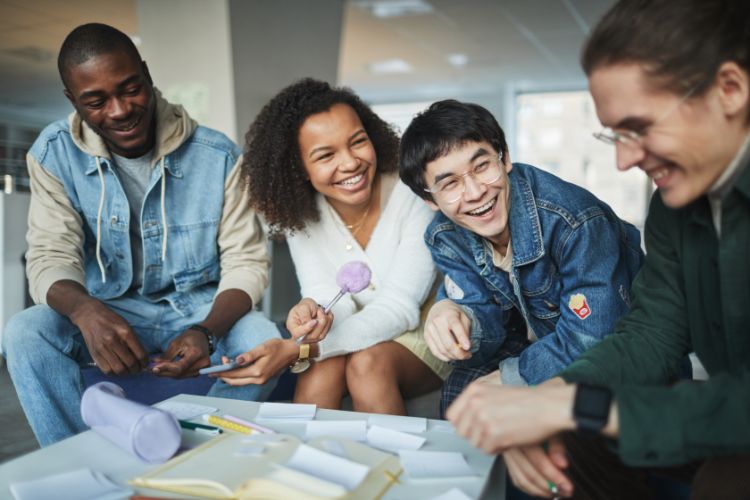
(88, 449)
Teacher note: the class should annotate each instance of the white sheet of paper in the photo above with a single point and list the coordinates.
(286, 411)
(355, 430)
(72, 485)
(390, 440)
(453, 494)
(445, 427)
(399, 423)
(329, 467)
(435, 464)
(185, 411)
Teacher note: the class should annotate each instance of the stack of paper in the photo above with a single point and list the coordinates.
(185, 411)
(390, 440)
(435, 464)
(398, 423)
(286, 411)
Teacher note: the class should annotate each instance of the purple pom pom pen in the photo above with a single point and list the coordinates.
(352, 277)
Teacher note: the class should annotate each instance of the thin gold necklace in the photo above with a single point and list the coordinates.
(353, 229)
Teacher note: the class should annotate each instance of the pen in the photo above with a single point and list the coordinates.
(228, 424)
(194, 426)
(252, 425)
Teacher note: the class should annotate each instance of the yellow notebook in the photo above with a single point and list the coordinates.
(233, 466)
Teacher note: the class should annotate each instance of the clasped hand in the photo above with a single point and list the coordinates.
(306, 321)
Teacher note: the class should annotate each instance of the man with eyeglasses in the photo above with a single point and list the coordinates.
(536, 270)
(671, 82)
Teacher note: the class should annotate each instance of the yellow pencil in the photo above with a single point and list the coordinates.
(227, 424)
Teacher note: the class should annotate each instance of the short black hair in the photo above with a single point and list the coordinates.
(438, 130)
(90, 40)
(680, 43)
(272, 166)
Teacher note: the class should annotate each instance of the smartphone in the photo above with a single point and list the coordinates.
(219, 368)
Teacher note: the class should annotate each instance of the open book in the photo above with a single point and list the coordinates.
(235, 466)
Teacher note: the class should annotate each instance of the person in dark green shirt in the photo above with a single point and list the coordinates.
(671, 84)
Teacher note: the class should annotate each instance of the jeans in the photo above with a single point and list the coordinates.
(45, 353)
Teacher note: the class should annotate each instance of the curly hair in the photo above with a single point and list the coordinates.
(272, 167)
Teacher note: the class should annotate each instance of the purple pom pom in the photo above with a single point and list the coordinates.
(353, 277)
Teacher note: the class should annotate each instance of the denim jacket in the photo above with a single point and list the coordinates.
(573, 263)
(76, 189)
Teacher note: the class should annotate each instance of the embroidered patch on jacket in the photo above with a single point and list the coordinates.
(579, 305)
(452, 290)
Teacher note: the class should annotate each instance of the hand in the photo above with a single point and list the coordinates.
(496, 418)
(109, 338)
(447, 330)
(262, 363)
(186, 354)
(308, 319)
(495, 377)
(533, 470)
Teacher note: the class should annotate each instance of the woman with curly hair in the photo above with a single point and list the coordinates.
(322, 169)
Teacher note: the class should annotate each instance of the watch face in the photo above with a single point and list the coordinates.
(300, 366)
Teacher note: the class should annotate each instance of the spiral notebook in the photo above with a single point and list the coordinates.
(242, 467)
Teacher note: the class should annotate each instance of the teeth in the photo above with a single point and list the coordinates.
(483, 208)
(351, 181)
(659, 174)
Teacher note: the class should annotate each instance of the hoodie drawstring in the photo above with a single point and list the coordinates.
(164, 211)
(101, 209)
(99, 222)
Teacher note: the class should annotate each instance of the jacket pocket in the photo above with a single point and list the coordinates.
(189, 279)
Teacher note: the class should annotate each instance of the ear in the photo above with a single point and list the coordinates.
(732, 87)
(69, 96)
(433, 206)
(507, 162)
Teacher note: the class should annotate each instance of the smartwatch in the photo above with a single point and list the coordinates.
(210, 337)
(591, 407)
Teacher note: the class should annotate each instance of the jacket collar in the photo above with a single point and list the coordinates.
(525, 228)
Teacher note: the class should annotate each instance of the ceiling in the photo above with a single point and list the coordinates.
(452, 48)
(526, 43)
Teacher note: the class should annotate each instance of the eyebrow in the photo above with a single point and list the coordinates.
(632, 123)
(100, 93)
(479, 152)
(326, 148)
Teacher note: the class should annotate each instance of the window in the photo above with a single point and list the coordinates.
(553, 132)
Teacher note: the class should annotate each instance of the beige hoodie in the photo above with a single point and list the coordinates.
(55, 236)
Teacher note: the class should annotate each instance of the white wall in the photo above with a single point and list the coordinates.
(186, 45)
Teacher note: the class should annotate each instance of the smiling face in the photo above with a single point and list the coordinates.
(338, 157)
(483, 209)
(686, 143)
(113, 94)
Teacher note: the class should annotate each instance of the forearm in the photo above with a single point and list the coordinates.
(228, 307)
(68, 298)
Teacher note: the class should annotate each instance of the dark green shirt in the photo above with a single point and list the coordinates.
(692, 294)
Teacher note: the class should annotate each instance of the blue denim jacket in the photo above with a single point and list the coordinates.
(194, 196)
(573, 262)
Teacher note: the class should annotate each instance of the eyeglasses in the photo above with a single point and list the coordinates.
(450, 189)
(632, 138)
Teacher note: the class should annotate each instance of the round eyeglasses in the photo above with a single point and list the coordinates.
(451, 188)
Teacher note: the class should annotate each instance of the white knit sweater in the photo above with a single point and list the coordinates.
(402, 271)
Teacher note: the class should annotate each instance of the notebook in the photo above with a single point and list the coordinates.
(233, 466)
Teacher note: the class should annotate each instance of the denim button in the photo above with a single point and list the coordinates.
(114, 219)
(149, 223)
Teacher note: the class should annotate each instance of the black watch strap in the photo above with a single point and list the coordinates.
(210, 337)
(591, 407)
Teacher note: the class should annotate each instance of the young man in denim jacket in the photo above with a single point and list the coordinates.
(140, 241)
(517, 247)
